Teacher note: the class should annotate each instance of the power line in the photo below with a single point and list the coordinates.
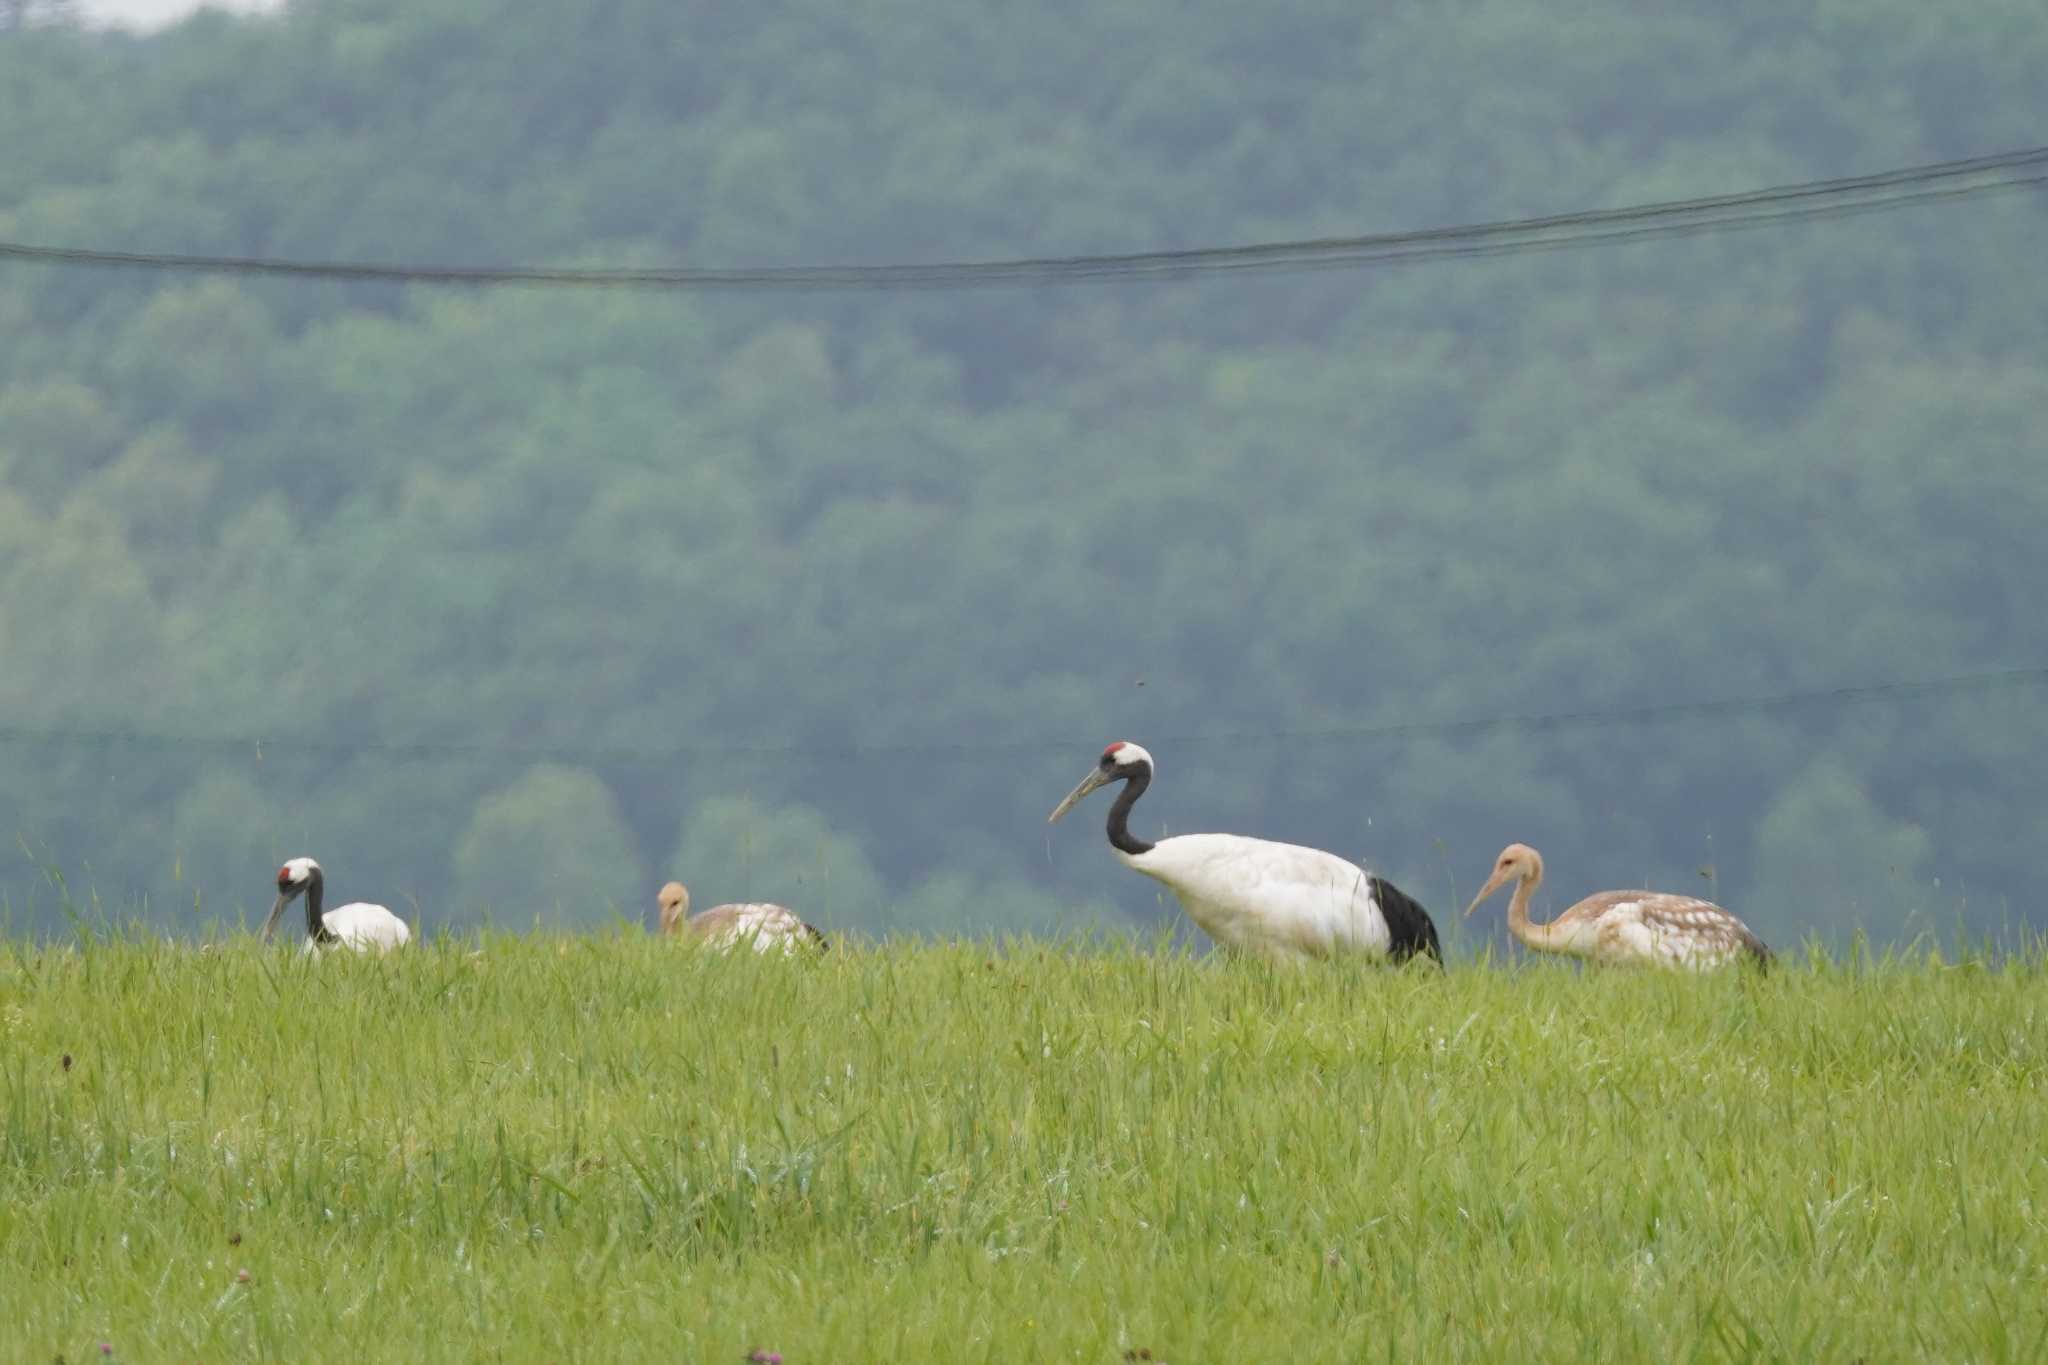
(296, 746)
(1819, 199)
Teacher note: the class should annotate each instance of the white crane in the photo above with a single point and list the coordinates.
(358, 926)
(1282, 902)
(725, 926)
(1654, 927)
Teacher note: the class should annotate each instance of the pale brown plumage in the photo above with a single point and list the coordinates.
(723, 926)
(1622, 926)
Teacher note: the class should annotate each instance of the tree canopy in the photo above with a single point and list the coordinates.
(491, 600)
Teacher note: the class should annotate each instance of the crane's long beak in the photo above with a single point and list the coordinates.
(1096, 777)
(1495, 883)
(271, 923)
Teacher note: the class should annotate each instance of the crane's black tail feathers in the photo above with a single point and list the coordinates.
(817, 935)
(1409, 927)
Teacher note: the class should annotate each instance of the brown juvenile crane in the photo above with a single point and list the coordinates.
(723, 926)
(1653, 927)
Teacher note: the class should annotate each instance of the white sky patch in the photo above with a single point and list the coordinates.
(145, 15)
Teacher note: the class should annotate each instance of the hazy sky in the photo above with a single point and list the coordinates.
(156, 13)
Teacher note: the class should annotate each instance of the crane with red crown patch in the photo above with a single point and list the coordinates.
(358, 926)
(1283, 902)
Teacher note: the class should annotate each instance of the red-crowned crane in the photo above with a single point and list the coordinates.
(359, 926)
(1654, 927)
(1282, 902)
(724, 926)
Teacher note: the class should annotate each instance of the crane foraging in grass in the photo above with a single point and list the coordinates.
(1282, 902)
(359, 926)
(1653, 927)
(724, 926)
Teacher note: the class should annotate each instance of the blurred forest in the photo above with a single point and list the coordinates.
(511, 604)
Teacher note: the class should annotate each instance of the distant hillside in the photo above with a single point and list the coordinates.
(517, 603)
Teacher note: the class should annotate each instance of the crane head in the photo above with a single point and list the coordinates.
(1517, 862)
(674, 901)
(1119, 760)
(294, 875)
(292, 879)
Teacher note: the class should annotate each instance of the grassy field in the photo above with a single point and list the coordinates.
(614, 1148)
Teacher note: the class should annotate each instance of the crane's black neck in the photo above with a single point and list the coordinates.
(1120, 836)
(316, 927)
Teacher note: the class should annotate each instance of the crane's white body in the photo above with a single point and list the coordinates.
(362, 927)
(769, 928)
(1283, 902)
(358, 926)
(1656, 928)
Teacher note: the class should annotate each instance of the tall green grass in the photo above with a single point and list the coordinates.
(616, 1148)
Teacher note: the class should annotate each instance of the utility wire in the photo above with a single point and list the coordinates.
(1820, 199)
(294, 746)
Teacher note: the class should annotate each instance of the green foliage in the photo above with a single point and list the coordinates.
(226, 820)
(520, 858)
(902, 562)
(1823, 846)
(50, 434)
(613, 1148)
(733, 848)
(955, 903)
